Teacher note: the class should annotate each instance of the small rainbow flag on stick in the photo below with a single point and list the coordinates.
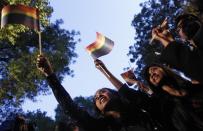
(100, 47)
(129, 77)
(20, 14)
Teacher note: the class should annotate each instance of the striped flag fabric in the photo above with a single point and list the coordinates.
(20, 14)
(129, 77)
(102, 46)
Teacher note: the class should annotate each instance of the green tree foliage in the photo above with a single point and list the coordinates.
(152, 14)
(38, 119)
(60, 115)
(41, 120)
(11, 32)
(86, 103)
(19, 77)
(8, 115)
(83, 102)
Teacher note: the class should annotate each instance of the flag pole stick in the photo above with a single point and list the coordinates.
(104, 71)
(40, 43)
(102, 68)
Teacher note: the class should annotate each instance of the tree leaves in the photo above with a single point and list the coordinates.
(153, 12)
(11, 32)
(19, 77)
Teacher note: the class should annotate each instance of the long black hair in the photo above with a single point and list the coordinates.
(170, 78)
(114, 94)
(190, 24)
(116, 103)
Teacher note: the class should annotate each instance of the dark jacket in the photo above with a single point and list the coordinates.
(187, 59)
(158, 108)
(198, 37)
(171, 113)
(132, 118)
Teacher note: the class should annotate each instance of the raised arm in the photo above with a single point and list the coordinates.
(44, 65)
(63, 97)
(163, 35)
(135, 97)
(100, 66)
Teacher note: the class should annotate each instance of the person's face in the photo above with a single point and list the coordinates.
(155, 75)
(101, 98)
(180, 31)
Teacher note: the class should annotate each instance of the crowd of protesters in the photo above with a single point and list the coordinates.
(176, 104)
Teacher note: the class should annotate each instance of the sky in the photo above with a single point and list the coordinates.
(113, 19)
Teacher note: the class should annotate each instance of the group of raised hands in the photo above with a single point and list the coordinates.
(45, 67)
(162, 34)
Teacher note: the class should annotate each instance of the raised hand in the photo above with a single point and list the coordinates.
(99, 64)
(162, 35)
(44, 65)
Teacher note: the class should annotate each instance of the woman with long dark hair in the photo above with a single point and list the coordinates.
(185, 55)
(186, 109)
(116, 112)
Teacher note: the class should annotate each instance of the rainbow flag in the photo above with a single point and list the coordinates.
(100, 47)
(129, 77)
(20, 14)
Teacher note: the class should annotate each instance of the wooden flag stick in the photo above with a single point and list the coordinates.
(40, 43)
(104, 71)
(102, 68)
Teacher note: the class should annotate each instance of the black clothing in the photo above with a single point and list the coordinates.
(172, 113)
(198, 37)
(184, 58)
(132, 119)
(158, 107)
(189, 108)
